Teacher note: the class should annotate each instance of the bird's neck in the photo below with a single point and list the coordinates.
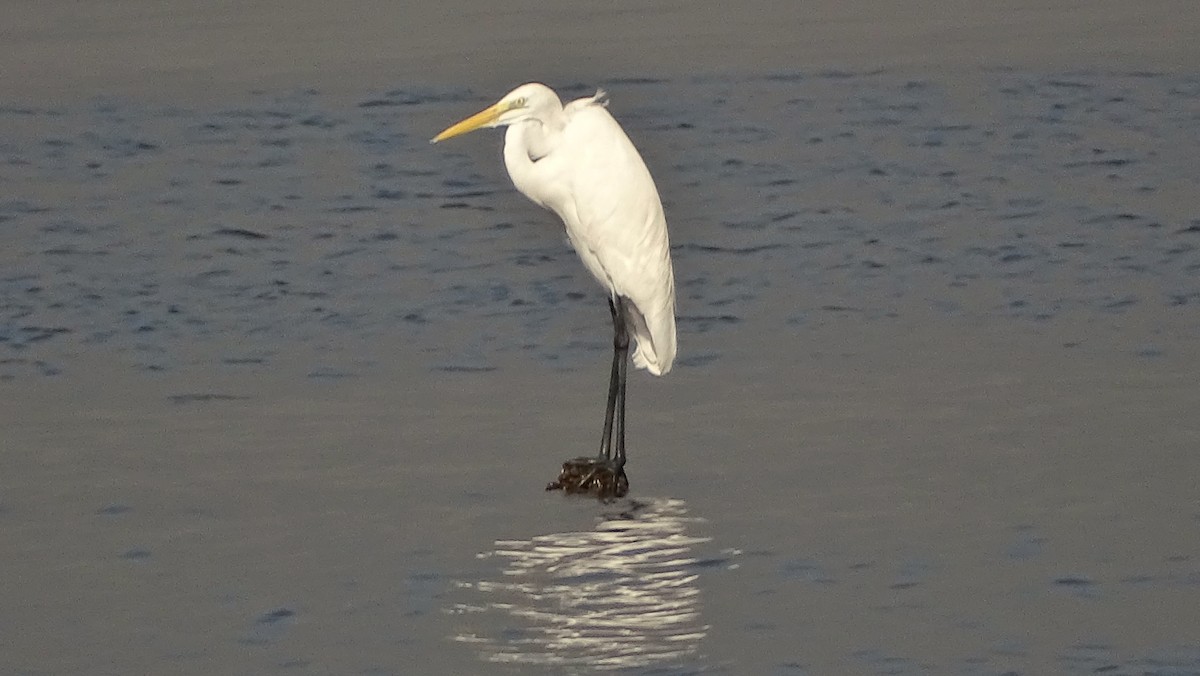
(535, 138)
(526, 147)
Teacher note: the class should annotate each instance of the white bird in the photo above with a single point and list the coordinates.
(576, 161)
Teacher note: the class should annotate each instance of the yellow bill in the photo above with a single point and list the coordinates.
(483, 118)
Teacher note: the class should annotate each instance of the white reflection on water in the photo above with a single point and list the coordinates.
(623, 595)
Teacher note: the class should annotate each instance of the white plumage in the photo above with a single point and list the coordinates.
(577, 161)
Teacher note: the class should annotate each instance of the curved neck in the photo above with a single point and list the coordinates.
(525, 144)
(534, 137)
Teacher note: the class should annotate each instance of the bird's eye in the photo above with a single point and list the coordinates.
(519, 103)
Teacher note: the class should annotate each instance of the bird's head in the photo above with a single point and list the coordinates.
(523, 103)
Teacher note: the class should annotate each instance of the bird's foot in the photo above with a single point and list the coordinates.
(595, 476)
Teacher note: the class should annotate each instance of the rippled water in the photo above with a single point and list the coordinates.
(349, 350)
(621, 596)
(281, 219)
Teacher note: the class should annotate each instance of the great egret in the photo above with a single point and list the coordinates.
(576, 161)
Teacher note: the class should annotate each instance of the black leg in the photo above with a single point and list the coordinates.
(622, 348)
(615, 410)
(604, 476)
(611, 406)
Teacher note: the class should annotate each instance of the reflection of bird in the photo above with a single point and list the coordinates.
(625, 595)
(577, 161)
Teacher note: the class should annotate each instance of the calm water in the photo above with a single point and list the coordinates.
(824, 494)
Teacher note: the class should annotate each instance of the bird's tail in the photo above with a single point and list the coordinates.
(654, 338)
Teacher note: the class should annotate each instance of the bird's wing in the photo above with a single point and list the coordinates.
(618, 226)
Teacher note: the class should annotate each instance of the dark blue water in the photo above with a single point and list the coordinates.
(791, 198)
